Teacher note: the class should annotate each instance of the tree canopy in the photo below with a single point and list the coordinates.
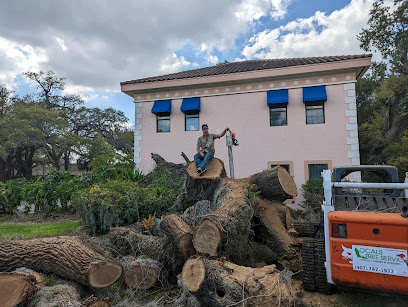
(57, 127)
(382, 95)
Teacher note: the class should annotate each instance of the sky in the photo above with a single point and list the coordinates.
(97, 44)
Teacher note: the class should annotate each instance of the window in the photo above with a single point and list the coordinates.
(285, 166)
(314, 112)
(315, 170)
(288, 165)
(278, 114)
(163, 122)
(192, 121)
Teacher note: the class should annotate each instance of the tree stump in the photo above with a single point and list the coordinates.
(180, 233)
(64, 256)
(196, 188)
(142, 273)
(216, 283)
(18, 286)
(275, 184)
(229, 225)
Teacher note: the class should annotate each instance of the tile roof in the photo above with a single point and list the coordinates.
(244, 66)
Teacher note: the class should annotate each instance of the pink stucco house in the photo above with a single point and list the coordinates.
(299, 113)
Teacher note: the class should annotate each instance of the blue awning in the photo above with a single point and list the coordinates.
(162, 106)
(191, 104)
(314, 93)
(278, 96)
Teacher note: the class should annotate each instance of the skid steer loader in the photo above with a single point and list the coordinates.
(365, 238)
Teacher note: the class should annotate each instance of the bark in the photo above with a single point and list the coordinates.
(196, 188)
(226, 230)
(270, 230)
(180, 233)
(18, 286)
(142, 273)
(126, 241)
(217, 283)
(275, 184)
(64, 256)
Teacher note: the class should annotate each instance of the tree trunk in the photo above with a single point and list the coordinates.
(142, 273)
(64, 256)
(217, 283)
(196, 188)
(180, 233)
(229, 226)
(275, 184)
(271, 218)
(18, 286)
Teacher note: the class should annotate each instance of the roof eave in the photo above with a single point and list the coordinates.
(359, 65)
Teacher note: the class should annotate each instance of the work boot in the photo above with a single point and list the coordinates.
(203, 172)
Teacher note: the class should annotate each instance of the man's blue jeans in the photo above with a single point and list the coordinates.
(202, 163)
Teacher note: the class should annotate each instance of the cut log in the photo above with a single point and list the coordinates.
(218, 284)
(18, 286)
(180, 233)
(141, 273)
(64, 256)
(215, 169)
(229, 225)
(275, 184)
(270, 230)
(195, 214)
(95, 302)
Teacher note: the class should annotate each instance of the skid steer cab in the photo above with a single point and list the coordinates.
(364, 243)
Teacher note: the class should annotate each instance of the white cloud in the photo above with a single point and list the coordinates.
(173, 63)
(319, 35)
(250, 10)
(61, 44)
(17, 58)
(213, 59)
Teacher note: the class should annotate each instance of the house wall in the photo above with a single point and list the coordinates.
(247, 115)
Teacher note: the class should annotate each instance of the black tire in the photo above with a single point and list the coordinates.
(322, 285)
(308, 264)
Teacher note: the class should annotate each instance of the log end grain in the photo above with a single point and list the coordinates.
(215, 169)
(104, 274)
(287, 182)
(14, 289)
(207, 238)
(142, 273)
(186, 245)
(193, 274)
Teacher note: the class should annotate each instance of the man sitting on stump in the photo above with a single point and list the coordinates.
(205, 148)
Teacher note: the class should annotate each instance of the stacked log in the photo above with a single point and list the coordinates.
(64, 256)
(141, 273)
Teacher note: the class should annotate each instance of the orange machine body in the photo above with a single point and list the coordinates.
(377, 244)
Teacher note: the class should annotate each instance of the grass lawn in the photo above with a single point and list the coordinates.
(37, 229)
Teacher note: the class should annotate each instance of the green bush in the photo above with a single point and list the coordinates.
(45, 191)
(109, 204)
(118, 203)
(11, 194)
(313, 191)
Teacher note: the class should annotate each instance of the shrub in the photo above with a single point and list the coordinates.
(110, 204)
(118, 203)
(313, 191)
(11, 194)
